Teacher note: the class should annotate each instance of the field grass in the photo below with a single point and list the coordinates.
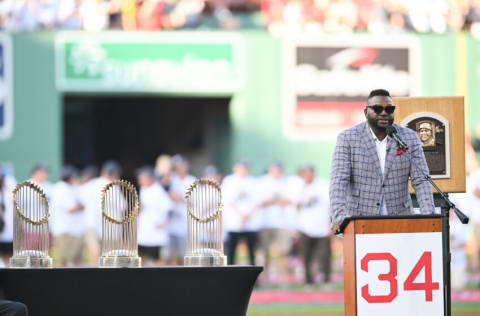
(294, 309)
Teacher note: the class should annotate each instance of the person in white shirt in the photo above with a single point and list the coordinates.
(274, 234)
(39, 175)
(473, 208)
(163, 171)
(7, 184)
(68, 225)
(295, 184)
(89, 174)
(153, 218)
(242, 220)
(69, 14)
(91, 194)
(458, 263)
(459, 236)
(211, 173)
(314, 224)
(177, 227)
(94, 15)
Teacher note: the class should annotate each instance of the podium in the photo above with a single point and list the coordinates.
(396, 266)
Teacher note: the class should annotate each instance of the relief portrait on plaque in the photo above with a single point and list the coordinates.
(433, 131)
(426, 133)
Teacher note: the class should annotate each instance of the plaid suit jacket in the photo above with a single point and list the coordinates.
(357, 185)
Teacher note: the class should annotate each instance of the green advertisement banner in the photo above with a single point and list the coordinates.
(142, 62)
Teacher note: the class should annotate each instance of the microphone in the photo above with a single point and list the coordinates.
(392, 132)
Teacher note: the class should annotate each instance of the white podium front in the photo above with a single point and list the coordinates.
(394, 267)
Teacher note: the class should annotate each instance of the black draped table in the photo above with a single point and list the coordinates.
(169, 291)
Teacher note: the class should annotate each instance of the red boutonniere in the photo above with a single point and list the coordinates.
(401, 150)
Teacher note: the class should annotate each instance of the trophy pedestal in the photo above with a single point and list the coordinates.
(205, 261)
(120, 262)
(30, 262)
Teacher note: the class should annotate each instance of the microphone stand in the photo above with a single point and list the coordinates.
(461, 216)
(445, 215)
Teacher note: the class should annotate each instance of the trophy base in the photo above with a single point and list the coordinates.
(120, 262)
(30, 262)
(205, 261)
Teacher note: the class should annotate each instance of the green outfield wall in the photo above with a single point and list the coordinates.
(253, 70)
(37, 114)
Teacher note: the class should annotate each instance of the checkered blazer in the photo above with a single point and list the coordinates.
(356, 182)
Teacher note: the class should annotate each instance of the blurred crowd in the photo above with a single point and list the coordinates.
(279, 16)
(373, 16)
(281, 222)
(96, 15)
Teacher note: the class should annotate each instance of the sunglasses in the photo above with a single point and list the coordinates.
(378, 109)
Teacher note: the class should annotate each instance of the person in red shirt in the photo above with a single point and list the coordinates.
(150, 15)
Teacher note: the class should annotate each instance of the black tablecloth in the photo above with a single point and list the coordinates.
(169, 291)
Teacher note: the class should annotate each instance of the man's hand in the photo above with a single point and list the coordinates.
(476, 192)
(244, 219)
(162, 226)
(284, 201)
(176, 197)
(336, 228)
(77, 209)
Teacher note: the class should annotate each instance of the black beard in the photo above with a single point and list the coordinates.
(373, 122)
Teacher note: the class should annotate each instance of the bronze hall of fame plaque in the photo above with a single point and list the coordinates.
(433, 131)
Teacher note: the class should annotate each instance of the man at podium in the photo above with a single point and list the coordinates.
(370, 169)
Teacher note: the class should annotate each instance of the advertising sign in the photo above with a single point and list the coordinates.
(6, 93)
(399, 274)
(327, 81)
(146, 62)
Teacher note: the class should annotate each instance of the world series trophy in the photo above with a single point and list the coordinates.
(119, 226)
(204, 220)
(30, 227)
